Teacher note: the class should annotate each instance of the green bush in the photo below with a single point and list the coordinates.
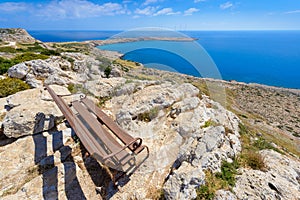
(148, 116)
(29, 56)
(8, 49)
(205, 193)
(222, 180)
(228, 172)
(10, 86)
(208, 190)
(107, 71)
(5, 64)
(49, 52)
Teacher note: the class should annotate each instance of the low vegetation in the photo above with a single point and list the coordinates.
(5, 64)
(126, 64)
(104, 62)
(72, 47)
(254, 160)
(77, 88)
(249, 158)
(149, 115)
(103, 100)
(10, 86)
(107, 71)
(222, 180)
(8, 49)
(209, 123)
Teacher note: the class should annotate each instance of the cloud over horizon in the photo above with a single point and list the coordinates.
(190, 11)
(292, 12)
(13, 6)
(226, 5)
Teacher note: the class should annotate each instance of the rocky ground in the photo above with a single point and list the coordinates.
(190, 136)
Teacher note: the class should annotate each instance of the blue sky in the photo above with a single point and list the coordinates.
(173, 14)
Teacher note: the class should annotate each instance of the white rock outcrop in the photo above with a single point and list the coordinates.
(57, 70)
(30, 111)
(281, 180)
(178, 141)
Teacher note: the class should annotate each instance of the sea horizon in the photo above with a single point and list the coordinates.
(268, 57)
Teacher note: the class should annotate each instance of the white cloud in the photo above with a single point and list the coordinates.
(166, 11)
(13, 6)
(127, 1)
(79, 9)
(190, 11)
(292, 12)
(197, 1)
(150, 10)
(226, 5)
(147, 2)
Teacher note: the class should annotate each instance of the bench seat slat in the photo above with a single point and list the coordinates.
(104, 136)
(119, 132)
(108, 146)
(79, 128)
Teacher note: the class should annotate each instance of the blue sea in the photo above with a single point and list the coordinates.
(265, 57)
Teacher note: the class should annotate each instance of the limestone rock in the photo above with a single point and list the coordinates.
(187, 178)
(57, 70)
(16, 35)
(33, 82)
(31, 112)
(189, 90)
(115, 72)
(18, 71)
(104, 87)
(224, 195)
(180, 142)
(280, 181)
(19, 159)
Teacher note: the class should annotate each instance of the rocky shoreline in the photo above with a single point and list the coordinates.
(245, 148)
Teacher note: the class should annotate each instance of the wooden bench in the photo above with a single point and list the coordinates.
(99, 134)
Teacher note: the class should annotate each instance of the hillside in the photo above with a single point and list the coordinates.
(203, 145)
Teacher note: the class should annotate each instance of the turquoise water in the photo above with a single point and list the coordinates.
(266, 57)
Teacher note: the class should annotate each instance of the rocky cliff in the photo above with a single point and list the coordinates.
(16, 35)
(198, 148)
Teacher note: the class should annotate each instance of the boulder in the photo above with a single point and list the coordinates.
(16, 35)
(183, 182)
(280, 181)
(19, 160)
(31, 112)
(57, 70)
(104, 87)
(33, 82)
(18, 71)
(224, 195)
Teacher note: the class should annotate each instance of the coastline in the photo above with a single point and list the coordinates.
(96, 43)
(118, 55)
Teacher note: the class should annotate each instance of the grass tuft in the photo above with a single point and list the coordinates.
(222, 180)
(149, 115)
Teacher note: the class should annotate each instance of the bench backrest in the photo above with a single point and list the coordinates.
(87, 123)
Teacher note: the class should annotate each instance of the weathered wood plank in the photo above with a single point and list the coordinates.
(119, 132)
